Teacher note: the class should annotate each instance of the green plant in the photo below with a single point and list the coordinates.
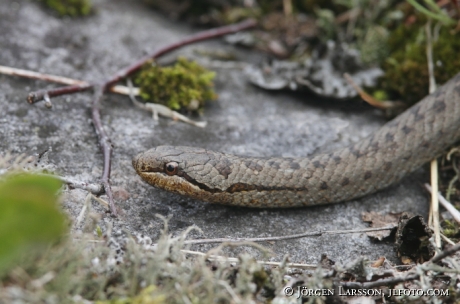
(29, 216)
(184, 86)
(406, 68)
(71, 8)
(433, 11)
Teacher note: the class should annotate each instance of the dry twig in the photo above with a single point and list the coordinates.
(449, 207)
(204, 35)
(104, 143)
(434, 210)
(369, 99)
(285, 237)
(58, 79)
(220, 258)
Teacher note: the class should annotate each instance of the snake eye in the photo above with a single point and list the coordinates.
(171, 168)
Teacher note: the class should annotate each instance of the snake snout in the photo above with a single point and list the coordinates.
(147, 162)
(139, 162)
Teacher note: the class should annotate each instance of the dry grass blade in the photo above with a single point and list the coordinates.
(384, 105)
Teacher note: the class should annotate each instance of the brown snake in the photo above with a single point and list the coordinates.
(402, 145)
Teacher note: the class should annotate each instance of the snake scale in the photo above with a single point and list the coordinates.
(401, 146)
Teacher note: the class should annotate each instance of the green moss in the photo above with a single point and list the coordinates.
(237, 14)
(184, 86)
(261, 278)
(380, 95)
(71, 8)
(406, 69)
(374, 46)
(450, 229)
(325, 22)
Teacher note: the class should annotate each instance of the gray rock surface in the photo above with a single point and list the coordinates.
(245, 120)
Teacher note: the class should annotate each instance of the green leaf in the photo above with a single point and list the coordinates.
(29, 216)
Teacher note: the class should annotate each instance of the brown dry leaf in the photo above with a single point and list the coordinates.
(379, 262)
(406, 260)
(289, 30)
(378, 220)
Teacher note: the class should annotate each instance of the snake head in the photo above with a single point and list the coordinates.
(169, 160)
(193, 172)
(183, 170)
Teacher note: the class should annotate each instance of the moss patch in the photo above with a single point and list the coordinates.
(184, 86)
(406, 69)
(71, 8)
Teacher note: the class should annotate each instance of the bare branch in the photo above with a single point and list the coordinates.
(204, 35)
(445, 253)
(59, 79)
(220, 258)
(105, 144)
(446, 204)
(286, 237)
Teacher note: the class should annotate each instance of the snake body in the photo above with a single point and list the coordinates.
(401, 146)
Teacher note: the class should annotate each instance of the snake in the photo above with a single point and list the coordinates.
(421, 133)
